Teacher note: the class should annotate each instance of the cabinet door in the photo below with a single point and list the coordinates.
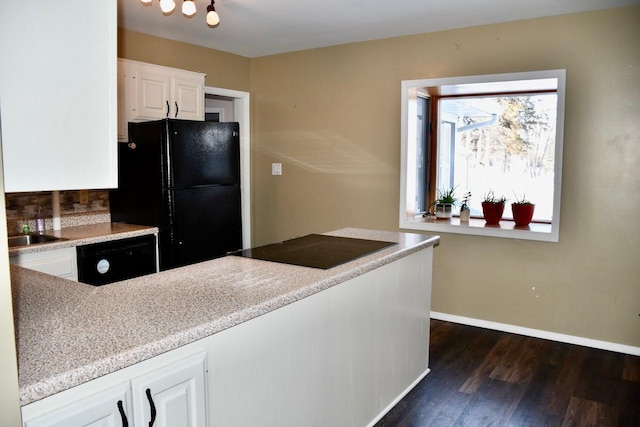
(187, 91)
(110, 408)
(173, 396)
(150, 93)
(58, 85)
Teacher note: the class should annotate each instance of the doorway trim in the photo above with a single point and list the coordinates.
(241, 114)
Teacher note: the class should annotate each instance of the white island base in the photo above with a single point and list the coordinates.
(339, 357)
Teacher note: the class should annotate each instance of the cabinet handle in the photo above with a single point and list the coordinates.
(125, 423)
(168, 109)
(152, 407)
(176, 108)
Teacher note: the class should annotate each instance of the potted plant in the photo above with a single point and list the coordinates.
(444, 203)
(465, 210)
(522, 211)
(493, 207)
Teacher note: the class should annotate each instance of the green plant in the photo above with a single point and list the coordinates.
(522, 201)
(489, 197)
(446, 196)
(465, 201)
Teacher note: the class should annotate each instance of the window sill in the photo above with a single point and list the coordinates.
(478, 227)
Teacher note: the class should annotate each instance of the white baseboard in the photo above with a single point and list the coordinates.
(398, 399)
(537, 333)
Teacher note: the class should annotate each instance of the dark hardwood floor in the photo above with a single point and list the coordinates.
(481, 377)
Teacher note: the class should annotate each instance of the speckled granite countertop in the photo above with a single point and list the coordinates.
(86, 234)
(69, 333)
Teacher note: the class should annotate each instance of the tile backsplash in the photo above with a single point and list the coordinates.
(24, 206)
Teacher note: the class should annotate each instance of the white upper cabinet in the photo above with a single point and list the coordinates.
(58, 85)
(187, 91)
(154, 92)
(151, 100)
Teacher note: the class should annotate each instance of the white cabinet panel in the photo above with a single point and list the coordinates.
(340, 357)
(174, 396)
(58, 107)
(108, 408)
(150, 94)
(188, 97)
(125, 92)
(58, 262)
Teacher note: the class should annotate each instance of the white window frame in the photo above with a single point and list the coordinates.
(409, 220)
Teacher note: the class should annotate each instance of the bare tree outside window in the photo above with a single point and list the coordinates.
(503, 143)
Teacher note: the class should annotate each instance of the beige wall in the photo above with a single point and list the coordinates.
(332, 117)
(223, 70)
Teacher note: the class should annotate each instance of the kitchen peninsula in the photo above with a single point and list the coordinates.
(295, 345)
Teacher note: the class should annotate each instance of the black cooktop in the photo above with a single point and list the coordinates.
(316, 250)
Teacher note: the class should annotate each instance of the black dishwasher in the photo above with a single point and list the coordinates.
(112, 261)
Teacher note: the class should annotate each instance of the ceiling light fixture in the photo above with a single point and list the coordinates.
(167, 6)
(212, 16)
(188, 9)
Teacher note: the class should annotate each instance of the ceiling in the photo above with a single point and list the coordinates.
(254, 28)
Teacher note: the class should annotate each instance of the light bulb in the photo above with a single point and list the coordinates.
(146, 1)
(212, 16)
(188, 8)
(167, 6)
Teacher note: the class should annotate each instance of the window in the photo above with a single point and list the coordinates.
(422, 153)
(500, 133)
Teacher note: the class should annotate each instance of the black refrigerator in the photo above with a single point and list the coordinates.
(184, 178)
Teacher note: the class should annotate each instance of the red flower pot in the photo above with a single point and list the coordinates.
(492, 212)
(522, 213)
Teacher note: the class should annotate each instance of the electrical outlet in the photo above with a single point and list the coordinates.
(84, 197)
(276, 168)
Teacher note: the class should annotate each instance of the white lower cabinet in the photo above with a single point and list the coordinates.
(172, 397)
(57, 262)
(159, 392)
(105, 409)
